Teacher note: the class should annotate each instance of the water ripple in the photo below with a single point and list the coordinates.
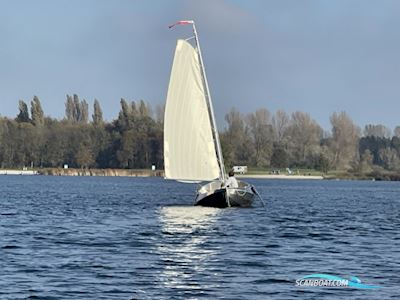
(140, 238)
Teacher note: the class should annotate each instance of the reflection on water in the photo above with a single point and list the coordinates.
(183, 249)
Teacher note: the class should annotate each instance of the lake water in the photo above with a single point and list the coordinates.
(141, 238)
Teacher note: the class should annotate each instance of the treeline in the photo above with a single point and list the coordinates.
(297, 141)
(135, 139)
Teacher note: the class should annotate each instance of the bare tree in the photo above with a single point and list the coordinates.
(345, 137)
(304, 135)
(280, 124)
(390, 159)
(379, 130)
(260, 129)
(233, 138)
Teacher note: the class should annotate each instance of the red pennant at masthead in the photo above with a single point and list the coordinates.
(181, 23)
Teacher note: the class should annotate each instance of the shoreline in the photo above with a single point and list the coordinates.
(19, 172)
(160, 173)
(288, 177)
(136, 173)
(102, 172)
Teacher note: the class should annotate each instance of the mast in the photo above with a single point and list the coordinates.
(210, 107)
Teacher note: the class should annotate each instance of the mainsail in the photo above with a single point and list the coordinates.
(189, 148)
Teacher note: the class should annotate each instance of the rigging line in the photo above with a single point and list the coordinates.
(259, 197)
(210, 107)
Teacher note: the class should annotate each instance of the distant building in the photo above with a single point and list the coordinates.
(240, 169)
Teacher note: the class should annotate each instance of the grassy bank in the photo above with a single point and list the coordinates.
(377, 174)
(278, 171)
(100, 172)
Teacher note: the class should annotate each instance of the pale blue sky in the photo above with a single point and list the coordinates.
(314, 56)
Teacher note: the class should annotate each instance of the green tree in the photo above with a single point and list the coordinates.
(97, 114)
(70, 109)
(143, 109)
(396, 131)
(84, 109)
(279, 158)
(324, 160)
(379, 130)
(84, 156)
(374, 145)
(366, 162)
(77, 112)
(124, 121)
(23, 115)
(126, 153)
(37, 112)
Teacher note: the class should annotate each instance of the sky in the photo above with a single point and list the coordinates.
(317, 57)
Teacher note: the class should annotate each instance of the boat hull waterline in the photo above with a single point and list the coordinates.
(213, 195)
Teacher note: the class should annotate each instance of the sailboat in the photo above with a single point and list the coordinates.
(192, 148)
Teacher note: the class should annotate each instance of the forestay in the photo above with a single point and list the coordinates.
(189, 149)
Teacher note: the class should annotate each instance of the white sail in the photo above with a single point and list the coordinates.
(189, 149)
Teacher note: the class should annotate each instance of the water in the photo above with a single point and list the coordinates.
(140, 238)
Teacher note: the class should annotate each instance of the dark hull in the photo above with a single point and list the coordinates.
(216, 199)
(227, 197)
